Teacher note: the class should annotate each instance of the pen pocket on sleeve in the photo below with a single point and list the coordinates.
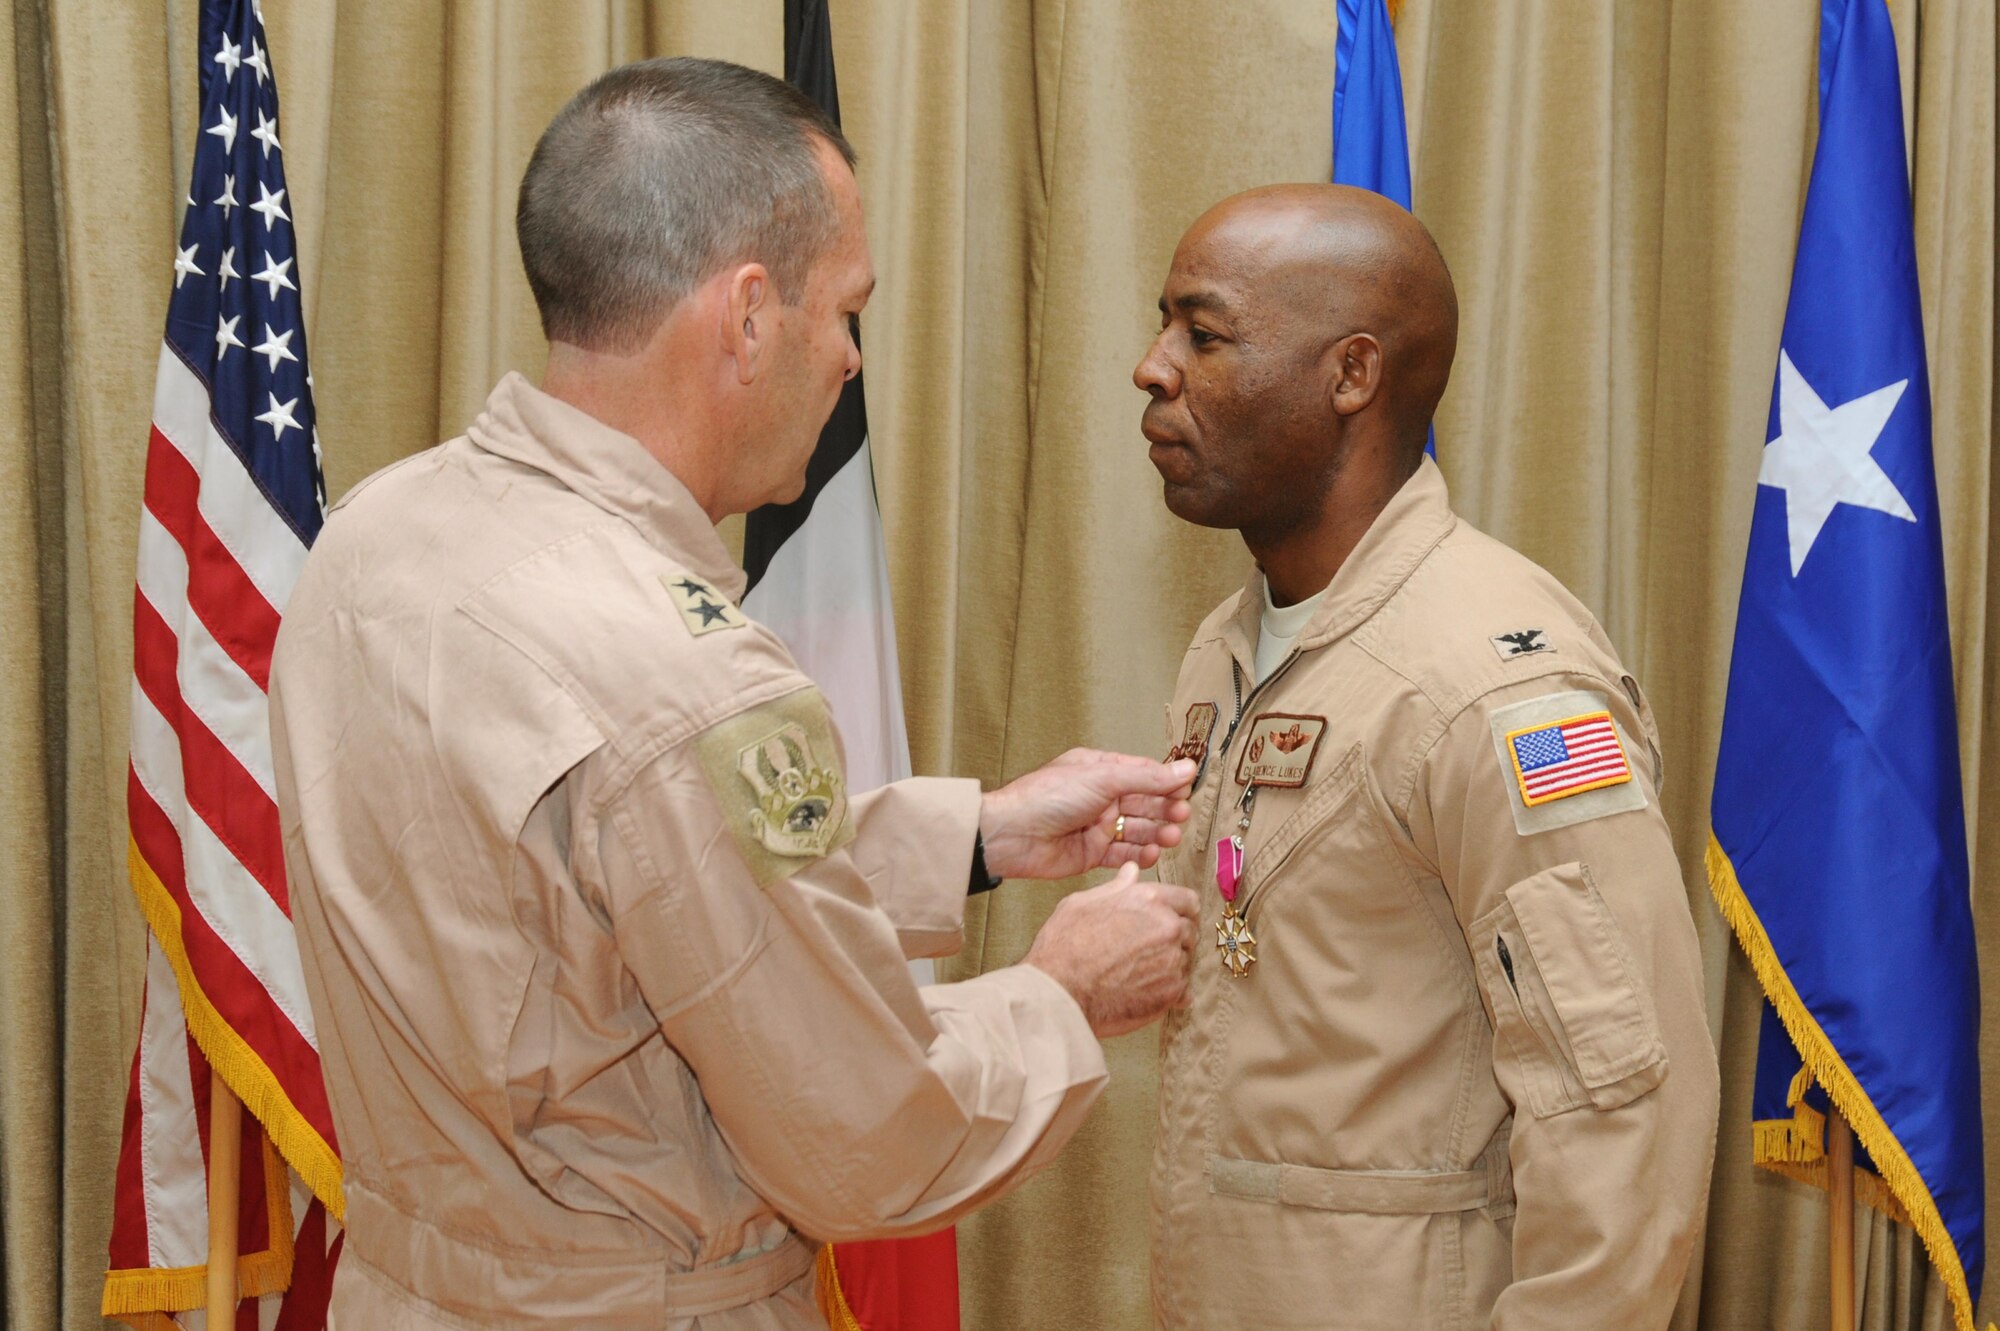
(1570, 1013)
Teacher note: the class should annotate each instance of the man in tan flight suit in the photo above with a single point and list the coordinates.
(608, 969)
(1446, 1064)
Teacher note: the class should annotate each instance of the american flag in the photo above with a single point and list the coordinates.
(233, 498)
(1568, 758)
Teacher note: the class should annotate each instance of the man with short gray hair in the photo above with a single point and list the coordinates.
(659, 173)
(607, 966)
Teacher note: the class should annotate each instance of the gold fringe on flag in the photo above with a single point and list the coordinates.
(141, 1296)
(1795, 1148)
(826, 1292)
(230, 1055)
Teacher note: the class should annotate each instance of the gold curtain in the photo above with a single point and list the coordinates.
(1616, 184)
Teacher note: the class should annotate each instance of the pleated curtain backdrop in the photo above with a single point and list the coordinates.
(1616, 184)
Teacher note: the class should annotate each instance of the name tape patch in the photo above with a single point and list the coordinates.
(1281, 750)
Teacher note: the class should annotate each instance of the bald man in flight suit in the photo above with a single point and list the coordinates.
(1445, 1063)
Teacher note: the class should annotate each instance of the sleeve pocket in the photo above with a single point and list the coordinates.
(1570, 1013)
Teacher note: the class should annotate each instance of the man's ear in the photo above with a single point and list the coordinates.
(1357, 373)
(749, 318)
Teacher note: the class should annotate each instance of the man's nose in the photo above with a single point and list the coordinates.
(1156, 374)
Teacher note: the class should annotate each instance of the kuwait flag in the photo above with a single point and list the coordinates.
(819, 579)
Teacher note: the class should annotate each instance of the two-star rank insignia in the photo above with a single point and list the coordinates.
(703, 609)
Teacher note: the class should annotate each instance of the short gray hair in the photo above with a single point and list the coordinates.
(659, 175)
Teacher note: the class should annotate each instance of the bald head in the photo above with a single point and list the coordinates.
(1306, 335)
(1331, 261)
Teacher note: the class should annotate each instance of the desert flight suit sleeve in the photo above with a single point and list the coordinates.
(927, 908)
(738, 881)
(1571, 898)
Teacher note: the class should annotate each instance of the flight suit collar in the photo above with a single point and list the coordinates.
(1416, 518)
(612, 470)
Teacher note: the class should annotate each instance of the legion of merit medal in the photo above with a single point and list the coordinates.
(1233, 939)
(1237, 943)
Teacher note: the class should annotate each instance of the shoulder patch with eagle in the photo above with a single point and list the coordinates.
(776, 772)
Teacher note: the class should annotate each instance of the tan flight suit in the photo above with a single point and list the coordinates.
(605, 963)
(1467, 1081)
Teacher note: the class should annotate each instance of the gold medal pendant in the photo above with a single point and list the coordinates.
(1235, 942)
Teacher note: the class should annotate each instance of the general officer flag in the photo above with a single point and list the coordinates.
(819, 579)
(1838, 849)
(1371, 144)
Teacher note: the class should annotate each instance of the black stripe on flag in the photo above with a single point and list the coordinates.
(809, 68)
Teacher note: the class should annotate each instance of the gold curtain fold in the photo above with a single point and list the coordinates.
(1616, 185)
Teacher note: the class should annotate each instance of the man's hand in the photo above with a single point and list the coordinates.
(1121, 949)
(1062, 819)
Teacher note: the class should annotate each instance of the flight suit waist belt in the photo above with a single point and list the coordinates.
(1489, 1185)
(427, 1260)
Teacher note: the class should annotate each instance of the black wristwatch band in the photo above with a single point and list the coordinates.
(981, 880)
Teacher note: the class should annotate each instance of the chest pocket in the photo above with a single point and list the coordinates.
(1300, 817)
(1328, 1046)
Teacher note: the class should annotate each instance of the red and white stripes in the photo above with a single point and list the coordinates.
(224, 983)
(1591, 758)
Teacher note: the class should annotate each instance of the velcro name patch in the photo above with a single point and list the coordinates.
(1281, 750)
(703, 609)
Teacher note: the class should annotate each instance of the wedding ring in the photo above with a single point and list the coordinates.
(1118, 829)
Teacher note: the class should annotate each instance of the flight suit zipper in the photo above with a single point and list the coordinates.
(1247, 802)
(1243, 703)
(1236, 685)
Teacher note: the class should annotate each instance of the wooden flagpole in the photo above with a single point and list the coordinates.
(1840, 1217)
(225, 1175)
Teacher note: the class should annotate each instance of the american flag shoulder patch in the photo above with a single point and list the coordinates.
(1558, 759)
